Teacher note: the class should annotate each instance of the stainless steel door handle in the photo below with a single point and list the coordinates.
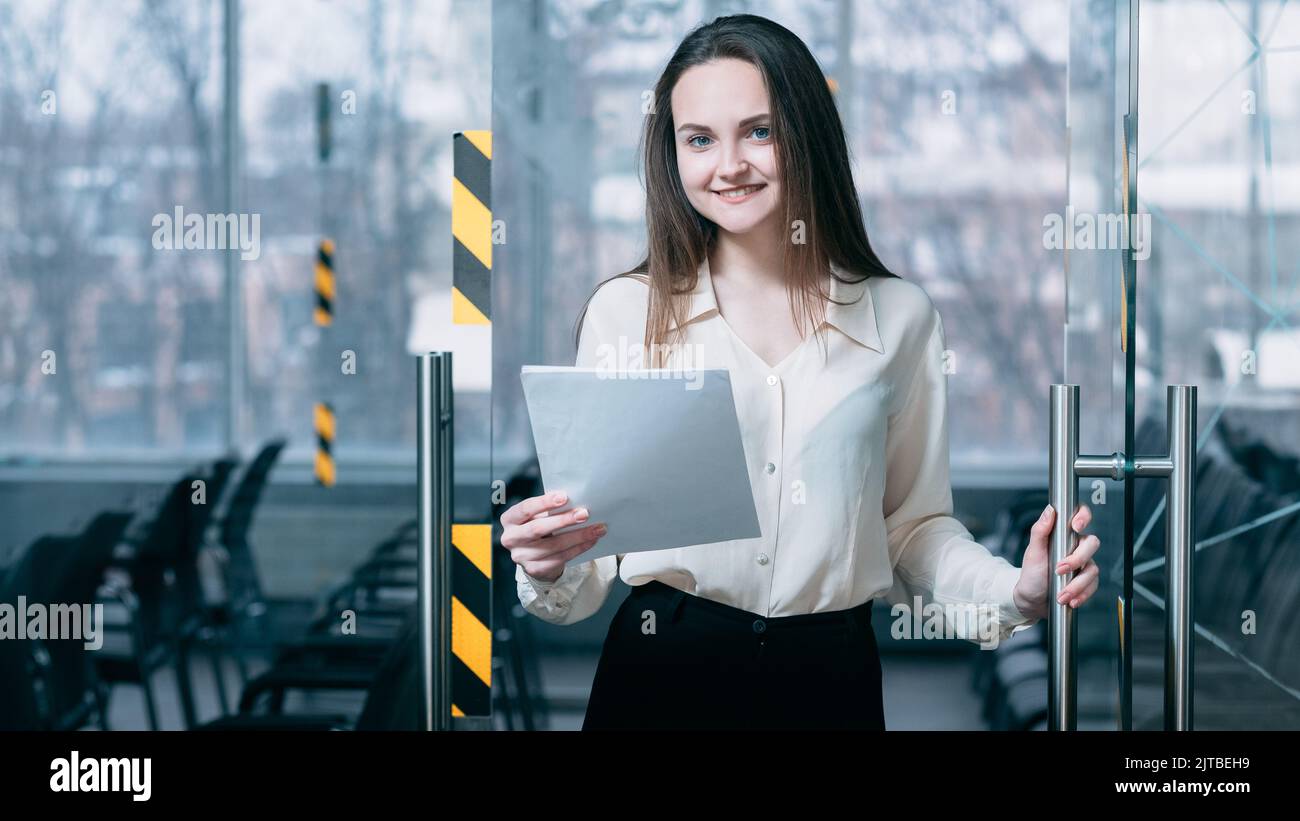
(1178, 465)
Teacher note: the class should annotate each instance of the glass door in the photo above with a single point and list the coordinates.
(1182, 260)
(1217, 164)
(1098, 330)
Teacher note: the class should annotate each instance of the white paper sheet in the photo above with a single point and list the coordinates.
(655, 454)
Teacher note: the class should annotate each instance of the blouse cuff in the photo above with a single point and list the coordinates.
(555, 596)
(540, 585)
(1010, 619)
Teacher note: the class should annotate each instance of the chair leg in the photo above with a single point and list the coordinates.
(239, 647)
(102, 695)
(502, 703)
(181, 656)
(518, 666)
(150, 708)
(242, 667)
(214, 655)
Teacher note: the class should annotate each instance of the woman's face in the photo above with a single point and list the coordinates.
(726, 155)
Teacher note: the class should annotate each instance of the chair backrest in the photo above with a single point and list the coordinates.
(165, 530)
(82, 576)
(243, 502)
(21, 710)
(185, 591)
(71, 568)
(60, 571)
(238, 520)
(164, 572)
(202, 515)
(81, 573)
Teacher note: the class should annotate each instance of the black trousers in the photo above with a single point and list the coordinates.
(673, 660)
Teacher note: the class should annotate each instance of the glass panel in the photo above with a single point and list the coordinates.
(1219, 159)
(1096, 332)
(400, 81)
(107, 345)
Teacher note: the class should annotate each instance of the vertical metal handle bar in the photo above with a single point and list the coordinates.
(442, 573)
(1063, 450)
(425, 461)
(1181, 544)
(433, 465)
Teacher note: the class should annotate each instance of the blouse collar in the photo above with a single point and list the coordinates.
(856, 320)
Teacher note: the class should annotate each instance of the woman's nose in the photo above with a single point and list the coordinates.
(733, 164)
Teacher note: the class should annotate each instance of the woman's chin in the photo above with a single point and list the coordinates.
(734, 225)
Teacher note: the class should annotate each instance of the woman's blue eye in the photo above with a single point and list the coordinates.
(692, 140)
(767, 132)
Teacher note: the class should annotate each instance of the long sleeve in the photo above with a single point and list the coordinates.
(933, 554)
(577, 594)
(583, 587)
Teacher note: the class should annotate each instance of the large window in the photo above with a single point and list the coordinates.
(106, 342)
(114, 114)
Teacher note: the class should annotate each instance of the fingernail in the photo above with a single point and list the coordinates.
(1046, 510)
(601, 530)
(581, 515)
(559, 498)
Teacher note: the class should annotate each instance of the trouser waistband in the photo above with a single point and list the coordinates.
(855, 618)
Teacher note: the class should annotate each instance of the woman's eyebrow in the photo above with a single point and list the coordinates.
(747, 121)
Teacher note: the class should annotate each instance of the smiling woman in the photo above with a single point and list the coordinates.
(756, 247)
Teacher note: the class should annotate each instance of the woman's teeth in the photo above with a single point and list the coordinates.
(737, 193)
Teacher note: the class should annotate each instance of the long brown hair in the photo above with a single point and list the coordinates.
(816, 180)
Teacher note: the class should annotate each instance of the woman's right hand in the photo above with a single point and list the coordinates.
(529, 535)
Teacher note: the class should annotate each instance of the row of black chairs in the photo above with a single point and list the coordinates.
(363, 639)
(153, 573)
(143, 570)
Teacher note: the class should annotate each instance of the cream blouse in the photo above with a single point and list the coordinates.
(848, 460)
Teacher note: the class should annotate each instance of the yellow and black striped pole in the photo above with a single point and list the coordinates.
(324, 424)
(471, 228)
(471, 292)
(324, 312)
(324, 315)
(471, 620)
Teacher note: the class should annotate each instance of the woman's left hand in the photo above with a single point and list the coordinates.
(1031, 590)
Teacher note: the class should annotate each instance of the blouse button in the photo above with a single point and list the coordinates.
(769, 467)
(762, 558)
(771, 379)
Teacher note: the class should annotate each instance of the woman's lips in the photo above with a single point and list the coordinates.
(754, 190)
